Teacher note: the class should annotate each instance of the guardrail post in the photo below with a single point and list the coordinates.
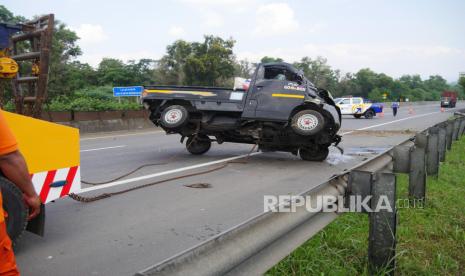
(449, 132)
(462, 126)
(382, 236)
(381, 186)
(455, 134)
(432, 153)
(417, 175)
(442, 146)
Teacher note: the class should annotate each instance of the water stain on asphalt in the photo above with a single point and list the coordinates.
(335, 158)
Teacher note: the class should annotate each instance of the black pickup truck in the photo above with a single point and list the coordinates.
(280, 111)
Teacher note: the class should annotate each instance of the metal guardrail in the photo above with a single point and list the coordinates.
(256, 245)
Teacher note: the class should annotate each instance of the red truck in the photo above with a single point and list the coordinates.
(448, 99)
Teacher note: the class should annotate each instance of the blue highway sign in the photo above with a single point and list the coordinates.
(128, 91)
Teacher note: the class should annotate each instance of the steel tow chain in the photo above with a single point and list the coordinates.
(87, 199)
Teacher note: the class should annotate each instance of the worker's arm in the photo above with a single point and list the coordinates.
(14, 167)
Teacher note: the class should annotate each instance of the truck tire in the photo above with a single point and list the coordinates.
(358, 116)
(174, 116)
(16, 210)
(198, 144)
(314, 155)
(307, 122)
(369, 114)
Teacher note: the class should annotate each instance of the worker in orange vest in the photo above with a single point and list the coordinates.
(13, 166)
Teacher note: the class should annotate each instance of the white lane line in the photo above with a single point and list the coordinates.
(391, 122)
(143, 177)
(122, 135)
(115, 147)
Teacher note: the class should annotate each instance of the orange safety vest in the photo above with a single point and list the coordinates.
(7, 257)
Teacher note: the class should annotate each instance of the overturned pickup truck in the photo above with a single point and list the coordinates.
(280, 111)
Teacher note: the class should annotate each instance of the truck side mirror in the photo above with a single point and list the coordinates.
(300, 79)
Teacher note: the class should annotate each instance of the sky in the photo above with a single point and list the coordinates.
(394, 37)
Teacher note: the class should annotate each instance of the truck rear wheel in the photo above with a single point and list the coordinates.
(319, 154)
(369, 114)
(198, 144)
(307, 122)
(16, 210)
(174, 116)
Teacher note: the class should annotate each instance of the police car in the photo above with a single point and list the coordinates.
(358, 107)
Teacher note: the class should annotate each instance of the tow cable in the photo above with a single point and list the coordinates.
(86, 199)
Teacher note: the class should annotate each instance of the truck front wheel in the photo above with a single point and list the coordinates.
(307, 122)
(319, 154)
(198, 144)
(174, 116)
(15, 209)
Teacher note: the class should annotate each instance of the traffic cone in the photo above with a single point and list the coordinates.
(411, 111)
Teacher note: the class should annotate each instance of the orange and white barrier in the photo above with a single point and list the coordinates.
(54, 184)
(52, 155)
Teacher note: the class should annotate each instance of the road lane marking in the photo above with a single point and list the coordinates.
(122, 135)
(105, 148)
(391, 122)
(143, 177)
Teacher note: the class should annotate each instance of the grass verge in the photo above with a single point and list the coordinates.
(431, 240)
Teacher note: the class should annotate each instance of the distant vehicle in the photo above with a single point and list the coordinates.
(358, 107)
(280, 111)
(448, 99)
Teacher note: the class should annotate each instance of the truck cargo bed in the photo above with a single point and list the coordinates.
(203, 98)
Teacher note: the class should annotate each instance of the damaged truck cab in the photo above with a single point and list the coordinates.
(280, 111)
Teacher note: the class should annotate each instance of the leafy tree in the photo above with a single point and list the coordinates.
(267, 59)
(209, 62)
(114, 72)
(319, 72)
(461, 83)
(244, 69)
(347, 85)
(171, 66)
(377, 94)
(8, 17)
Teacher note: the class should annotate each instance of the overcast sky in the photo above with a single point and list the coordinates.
(393, 36)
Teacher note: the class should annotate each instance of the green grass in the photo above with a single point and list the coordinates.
(431, 240)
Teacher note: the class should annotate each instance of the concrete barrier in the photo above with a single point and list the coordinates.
(101, 121)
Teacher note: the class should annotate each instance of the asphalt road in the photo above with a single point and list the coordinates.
(126, 233)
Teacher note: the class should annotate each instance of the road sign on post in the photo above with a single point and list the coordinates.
(128, 91)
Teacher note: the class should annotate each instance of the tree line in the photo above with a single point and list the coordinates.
(210, 62)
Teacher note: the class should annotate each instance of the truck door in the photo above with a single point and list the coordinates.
(346, 106)
(275, 92)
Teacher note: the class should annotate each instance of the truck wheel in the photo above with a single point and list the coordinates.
(16, 210)
(174, 116)
(369, 114)
(314, 155)
(358, 116)
(307, 122)
(198, 144)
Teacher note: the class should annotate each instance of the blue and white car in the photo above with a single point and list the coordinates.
(358, 107)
